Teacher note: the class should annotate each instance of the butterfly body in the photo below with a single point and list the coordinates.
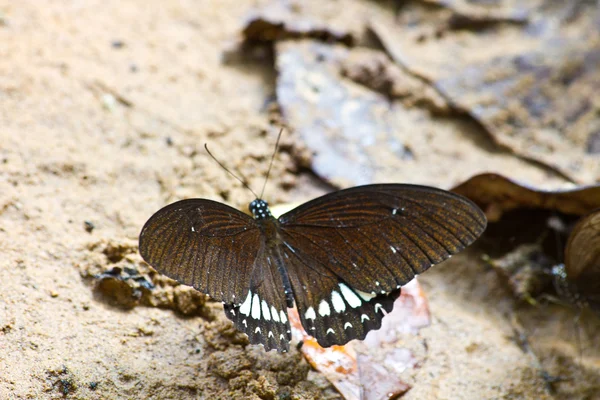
(341, 258)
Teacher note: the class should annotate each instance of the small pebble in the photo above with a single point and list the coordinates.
(89, 226)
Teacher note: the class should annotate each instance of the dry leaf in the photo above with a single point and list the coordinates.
(496, 194)
(535, 90)
(354, 368)
(358, 136)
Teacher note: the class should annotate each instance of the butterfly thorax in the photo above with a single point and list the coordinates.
(260, 209)
(267, 223)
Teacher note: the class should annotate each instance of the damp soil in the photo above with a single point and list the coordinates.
(104, 110)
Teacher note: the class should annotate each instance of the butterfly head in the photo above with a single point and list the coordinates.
(260, 209)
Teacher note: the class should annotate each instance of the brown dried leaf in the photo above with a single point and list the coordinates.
(496, 195)
(358, 136)
(353, 368)
(337, 363)
(535, 90)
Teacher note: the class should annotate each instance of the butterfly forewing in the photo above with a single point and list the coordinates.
(204, 244)
(378, 237)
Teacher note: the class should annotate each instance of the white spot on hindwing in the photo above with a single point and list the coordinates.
(281, 337)
(245, 323)
(245, 307)
(349, 295)
(364, 317)
(378, 307)
(257, 330)
(255, 307)
(310, 313)
(282, 317)
(347, 325)
(265, 311)
(274, 314)
(393, 249)
(324, 309)
(394, 211)
(366, 296)
(271, 335)
(330, 331)
(338, 302)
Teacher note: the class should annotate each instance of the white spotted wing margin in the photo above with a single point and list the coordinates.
(331, 310)
(346, 314)
(262, 313)
(261, 321)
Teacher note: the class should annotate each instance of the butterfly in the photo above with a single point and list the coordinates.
(341, 259)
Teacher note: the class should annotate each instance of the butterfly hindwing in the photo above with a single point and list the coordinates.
(204, 244)
(330, 310)
(263, 313)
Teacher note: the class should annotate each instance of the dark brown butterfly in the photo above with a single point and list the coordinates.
(341, 258)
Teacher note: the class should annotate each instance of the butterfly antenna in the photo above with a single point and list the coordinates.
(271, 163)
(228, 171)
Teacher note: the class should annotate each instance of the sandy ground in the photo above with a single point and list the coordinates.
(104, 110)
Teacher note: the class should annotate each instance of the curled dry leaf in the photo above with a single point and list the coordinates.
(496, 194)
(354, 368)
